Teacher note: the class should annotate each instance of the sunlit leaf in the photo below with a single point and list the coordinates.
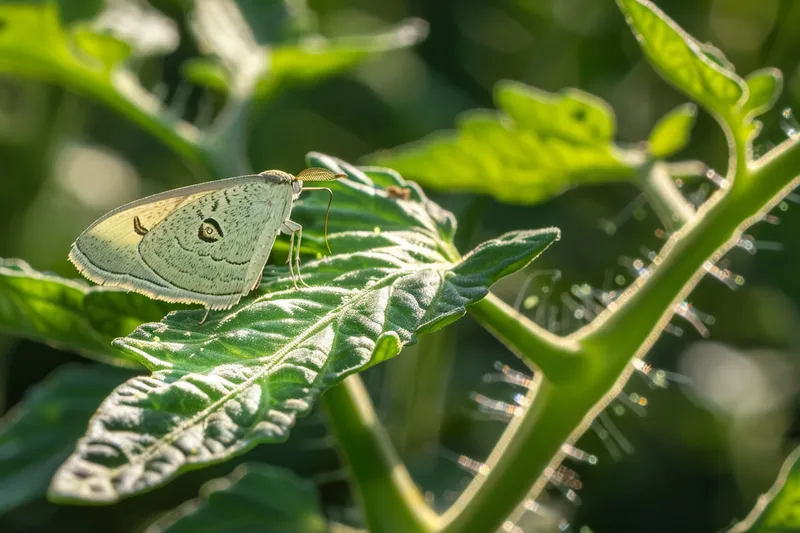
(206, 73)
(317, 58)
(69, 314)
(671, 134)
(243, 377)
(683, 61)
(39, 433)
(538, 146)
(777, 511)
(33, 43)
(108, 50)
(279, 63)
(255, 497)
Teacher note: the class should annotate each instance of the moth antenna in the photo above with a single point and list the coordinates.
(319, 174)
(327, 211)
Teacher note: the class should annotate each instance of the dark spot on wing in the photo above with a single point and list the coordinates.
(138, 228)
(210, 231)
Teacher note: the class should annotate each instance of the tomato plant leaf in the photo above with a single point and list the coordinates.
(265, 48)
(37, 435)
(254, 497)
(242, 378)
(70, 314)
(537, 146)
(699, 71)
(672, 132)
(34, 43)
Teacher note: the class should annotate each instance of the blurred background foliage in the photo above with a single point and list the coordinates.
(700, 451)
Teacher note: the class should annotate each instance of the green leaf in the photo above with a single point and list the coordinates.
(317, 58)
(671, 134)
(286, 64)
(206, 73)
(683, 61)
(255, 497)
(107, 49)
(70, 314)
(33, 43)
(542, 145)
(777, 511)
(765, 87)
(39, 433)
(572, 115)
(243, 377)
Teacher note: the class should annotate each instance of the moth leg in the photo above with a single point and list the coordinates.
(296, 230)
(208, 310)
(297, 254)
(286, 230)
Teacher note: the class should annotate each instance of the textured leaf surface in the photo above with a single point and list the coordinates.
(39, 433)
(701, 72)
(671, 134)
(246, 374)
(70, 314)
(255, 497)
(777, 511)
(537, 146)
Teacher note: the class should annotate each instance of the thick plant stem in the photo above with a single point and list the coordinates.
(529, 445)
(637, 316)
(390, 500)
(560, 412)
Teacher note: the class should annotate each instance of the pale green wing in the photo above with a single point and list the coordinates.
(213, 249)
(108, 251)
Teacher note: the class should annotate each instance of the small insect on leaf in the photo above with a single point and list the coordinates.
(205, 244)
(398, 192)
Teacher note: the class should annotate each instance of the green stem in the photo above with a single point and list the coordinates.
(560, 412)
(638, 315)
(556, 356)
(529, 448)
(390, 500)
(667, 201)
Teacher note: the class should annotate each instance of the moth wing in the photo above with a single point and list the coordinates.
(107, 252)
(220, 267)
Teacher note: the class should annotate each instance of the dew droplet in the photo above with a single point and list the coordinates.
(789, 124)
(530, 302)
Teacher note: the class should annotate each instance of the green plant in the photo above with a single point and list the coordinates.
(242, 378)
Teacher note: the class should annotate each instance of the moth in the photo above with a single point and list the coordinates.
(204, 244)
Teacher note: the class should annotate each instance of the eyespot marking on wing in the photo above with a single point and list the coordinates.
(210, 231)
(138, 228)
